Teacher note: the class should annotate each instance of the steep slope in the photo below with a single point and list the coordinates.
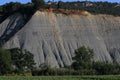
(52, 38)
(10, 26)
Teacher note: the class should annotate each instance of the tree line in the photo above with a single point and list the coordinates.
(28, 9)
(92, 7)
(83, 64)
(20, 61)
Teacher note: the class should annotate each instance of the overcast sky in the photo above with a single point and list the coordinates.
(25, 1)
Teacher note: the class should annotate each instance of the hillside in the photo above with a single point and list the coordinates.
(53, 37)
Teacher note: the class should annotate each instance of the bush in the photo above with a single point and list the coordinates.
(38, 4)
(105, 68)
(83, 58)
(54, 72)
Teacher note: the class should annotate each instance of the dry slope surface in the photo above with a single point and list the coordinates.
(52, 38)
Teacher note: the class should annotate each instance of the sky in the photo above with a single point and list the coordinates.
(26, 1)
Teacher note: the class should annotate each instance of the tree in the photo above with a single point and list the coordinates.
(38, 3)
(5, 62)
(83, 58)
(59, 4)
(11, 7)
(22, 60)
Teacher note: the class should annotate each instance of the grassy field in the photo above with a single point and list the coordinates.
(110, 77)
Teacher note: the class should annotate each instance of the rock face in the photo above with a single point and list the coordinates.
(10, 26)
(52, 38)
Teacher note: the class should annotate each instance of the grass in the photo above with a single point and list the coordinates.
(107, 77)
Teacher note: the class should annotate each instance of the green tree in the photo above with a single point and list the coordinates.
(22, 60)
(5, 61)
(83, 58)
(38, 3)
(11, 7)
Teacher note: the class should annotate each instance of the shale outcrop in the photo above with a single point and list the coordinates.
(53, 37)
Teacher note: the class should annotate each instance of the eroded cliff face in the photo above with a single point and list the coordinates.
(52, 38)
(10, 27)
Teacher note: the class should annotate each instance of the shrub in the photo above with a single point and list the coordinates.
(83, 58)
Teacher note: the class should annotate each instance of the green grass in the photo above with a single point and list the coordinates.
(110, 77)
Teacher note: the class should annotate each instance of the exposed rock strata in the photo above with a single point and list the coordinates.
(52, 38)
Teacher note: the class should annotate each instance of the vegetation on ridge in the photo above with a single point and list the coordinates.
(92, 7)
(28, 9)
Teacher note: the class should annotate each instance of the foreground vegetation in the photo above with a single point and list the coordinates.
(17, 62)
(83, 64)
(110, 77)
